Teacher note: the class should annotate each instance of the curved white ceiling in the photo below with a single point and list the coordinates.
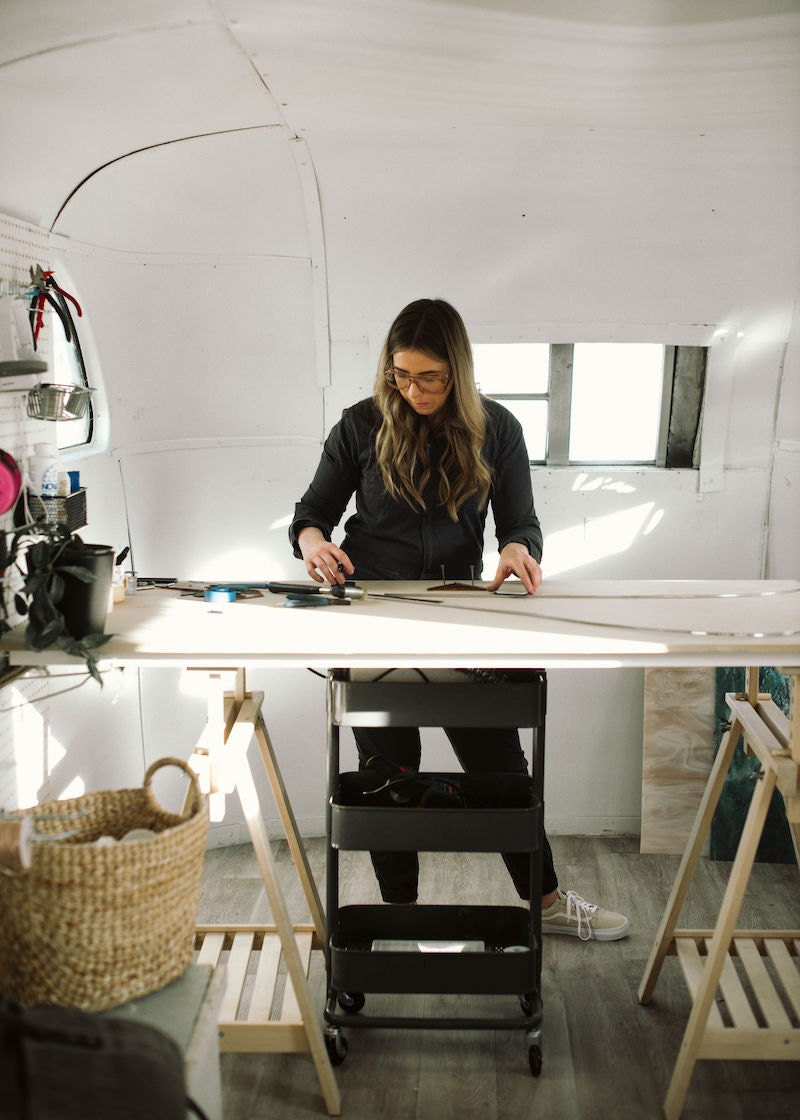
(68, 110)
(491, 149)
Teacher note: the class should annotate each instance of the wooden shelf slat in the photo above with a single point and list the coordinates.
(763, 988)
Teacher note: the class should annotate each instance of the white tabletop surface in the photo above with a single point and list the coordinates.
(567, 623)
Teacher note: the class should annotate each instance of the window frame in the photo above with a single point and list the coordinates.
(682, 370)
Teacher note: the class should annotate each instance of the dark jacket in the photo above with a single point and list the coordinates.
(386, 538)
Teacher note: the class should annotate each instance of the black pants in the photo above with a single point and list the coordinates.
(478, 750)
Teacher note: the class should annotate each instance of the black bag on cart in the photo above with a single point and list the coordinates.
(59, 1063)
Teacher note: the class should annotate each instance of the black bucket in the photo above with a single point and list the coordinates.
(85, 605)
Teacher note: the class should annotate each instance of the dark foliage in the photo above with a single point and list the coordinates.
(43, 554)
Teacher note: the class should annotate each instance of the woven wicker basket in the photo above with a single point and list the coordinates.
(93, 926)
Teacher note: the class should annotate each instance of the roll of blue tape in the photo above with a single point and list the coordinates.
(219, 595)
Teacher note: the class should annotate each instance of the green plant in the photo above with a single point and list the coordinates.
(40, 553)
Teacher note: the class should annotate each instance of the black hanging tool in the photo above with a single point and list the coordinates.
(46, 290)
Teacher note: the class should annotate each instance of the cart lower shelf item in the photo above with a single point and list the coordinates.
(506, 965)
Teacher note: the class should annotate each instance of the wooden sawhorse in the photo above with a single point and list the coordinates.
(245, 1021)
(756, 971)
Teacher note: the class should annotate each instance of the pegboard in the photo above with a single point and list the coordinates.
(23, 704)
(22, 246)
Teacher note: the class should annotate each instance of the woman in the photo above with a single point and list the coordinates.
(424, 456)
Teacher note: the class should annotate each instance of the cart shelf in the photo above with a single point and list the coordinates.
(507, 964)
(499, 812)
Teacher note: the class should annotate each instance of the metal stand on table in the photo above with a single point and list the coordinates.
(255, 952)
(745, 983)
(376, 948)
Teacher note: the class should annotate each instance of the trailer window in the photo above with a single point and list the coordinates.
(620, 404)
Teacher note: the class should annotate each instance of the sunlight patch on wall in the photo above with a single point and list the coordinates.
(30, 755)
(75, 788)
(596, 538)
(282, 522)
(585, 483)
(30, 749)
(653, 523)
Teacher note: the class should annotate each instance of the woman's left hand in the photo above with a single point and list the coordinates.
(515, 560)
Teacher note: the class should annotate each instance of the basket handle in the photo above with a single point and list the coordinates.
(196, 803)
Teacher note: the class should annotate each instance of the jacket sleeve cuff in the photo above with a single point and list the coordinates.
(534, 547)
(297, 527)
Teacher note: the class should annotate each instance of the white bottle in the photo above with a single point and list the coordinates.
(43, 471)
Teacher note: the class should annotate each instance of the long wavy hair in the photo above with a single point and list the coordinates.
(402, 445)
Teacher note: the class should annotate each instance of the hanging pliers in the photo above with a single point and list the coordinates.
(46, 290)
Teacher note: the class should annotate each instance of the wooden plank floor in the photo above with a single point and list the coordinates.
(605, 1056)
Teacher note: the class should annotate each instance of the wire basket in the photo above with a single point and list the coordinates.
(58, 402)
(69, 511)
(92, 926)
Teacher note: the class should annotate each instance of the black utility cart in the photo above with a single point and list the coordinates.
(477, 950)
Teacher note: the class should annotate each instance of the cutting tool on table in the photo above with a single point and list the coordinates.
(296, 599)
(340, 592)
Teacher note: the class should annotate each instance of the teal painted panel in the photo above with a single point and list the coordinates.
(726, 827)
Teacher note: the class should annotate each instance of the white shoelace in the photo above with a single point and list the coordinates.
(583, 912)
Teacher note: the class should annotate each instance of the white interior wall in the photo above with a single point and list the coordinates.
(556, 179)
(784, 523)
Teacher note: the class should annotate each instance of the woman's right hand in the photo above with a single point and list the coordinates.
(323, 560)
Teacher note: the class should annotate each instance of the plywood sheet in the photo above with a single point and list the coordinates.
(677, 754)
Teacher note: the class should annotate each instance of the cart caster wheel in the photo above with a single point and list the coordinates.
(336, 1045)
(351, 1002)
(535, 1059)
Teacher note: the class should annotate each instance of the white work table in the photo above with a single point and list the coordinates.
(601, 623)
(568, 623)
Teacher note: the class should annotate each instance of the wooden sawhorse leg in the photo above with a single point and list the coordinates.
(767, 734)
(692, 1046)
(235, 718)
(666, 932)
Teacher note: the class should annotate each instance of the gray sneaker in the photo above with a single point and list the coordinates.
(572, 915)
